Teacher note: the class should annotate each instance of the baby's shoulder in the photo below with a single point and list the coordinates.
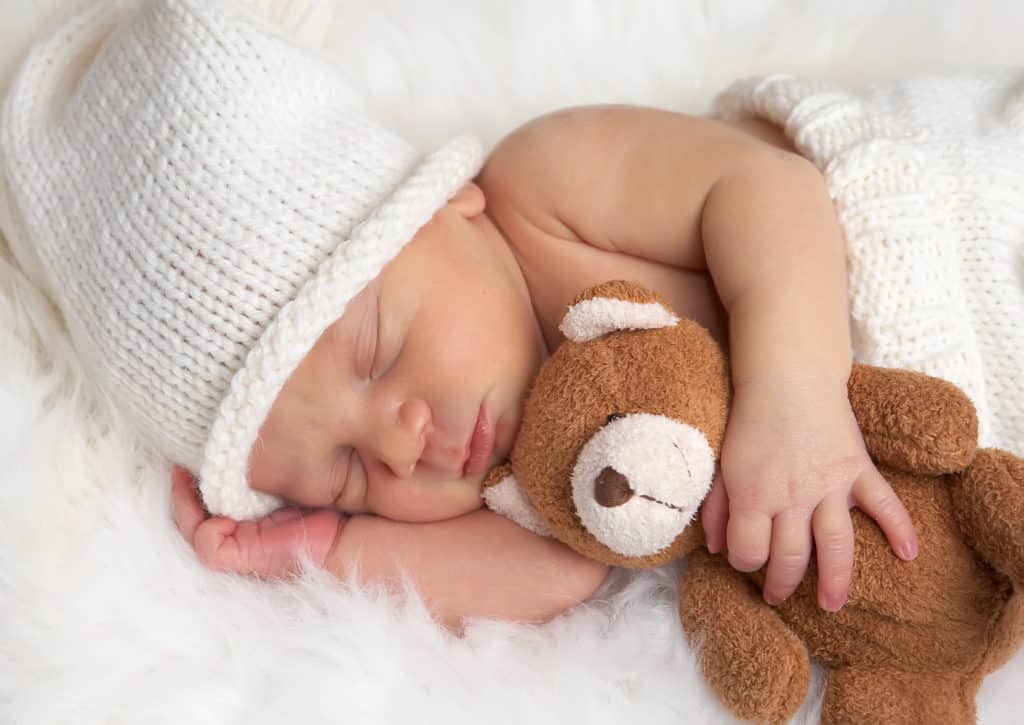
(534, 174)
(568, 195)
(549, 176)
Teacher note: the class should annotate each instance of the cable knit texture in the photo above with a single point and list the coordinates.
(204, 199)
(928, 182)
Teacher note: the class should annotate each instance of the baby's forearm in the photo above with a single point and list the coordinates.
(775, 251)
(477, 565)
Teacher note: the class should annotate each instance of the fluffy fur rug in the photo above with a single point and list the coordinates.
(105, 616)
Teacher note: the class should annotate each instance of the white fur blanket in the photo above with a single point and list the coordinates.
(105, 616)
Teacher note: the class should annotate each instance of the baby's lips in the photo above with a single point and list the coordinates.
(480, 446)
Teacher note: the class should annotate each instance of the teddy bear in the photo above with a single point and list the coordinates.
(618, 447)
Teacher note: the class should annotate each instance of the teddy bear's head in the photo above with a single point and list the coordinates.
(622, 428)
(617, 451)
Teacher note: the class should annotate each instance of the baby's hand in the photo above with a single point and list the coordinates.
(793, 463)
(266, 547)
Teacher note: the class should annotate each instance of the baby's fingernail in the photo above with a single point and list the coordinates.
(831, 602)
(908, 550)
(772, 600)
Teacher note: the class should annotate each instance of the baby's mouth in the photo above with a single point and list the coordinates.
(480, 444)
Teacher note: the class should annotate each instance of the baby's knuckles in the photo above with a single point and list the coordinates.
(784, 452)
(213, 545)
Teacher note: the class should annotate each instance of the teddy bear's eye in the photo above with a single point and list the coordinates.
(613, 416)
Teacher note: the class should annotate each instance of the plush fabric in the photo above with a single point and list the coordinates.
(915, 640)
(105, 616)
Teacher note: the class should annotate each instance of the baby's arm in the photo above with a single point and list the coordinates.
(697, 195)
(477, 565)
(793, 460)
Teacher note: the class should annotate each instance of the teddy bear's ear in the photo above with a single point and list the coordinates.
(615, 306)
(503, 495)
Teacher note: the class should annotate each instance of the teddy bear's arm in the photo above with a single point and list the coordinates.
(988, 500)
(754, 662)
(913, 422)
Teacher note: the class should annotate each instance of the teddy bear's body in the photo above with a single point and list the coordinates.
(924, 639)
(888, 596)
(616, 452)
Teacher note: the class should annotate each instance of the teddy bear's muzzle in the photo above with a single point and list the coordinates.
(613, 489)
(639, 480)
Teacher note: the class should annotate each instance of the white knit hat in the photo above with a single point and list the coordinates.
(204, 199)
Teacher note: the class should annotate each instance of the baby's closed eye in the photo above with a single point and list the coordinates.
(367, 345)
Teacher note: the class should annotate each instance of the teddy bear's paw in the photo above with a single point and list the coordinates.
(754, 662)
(765, 682)
(913, 422)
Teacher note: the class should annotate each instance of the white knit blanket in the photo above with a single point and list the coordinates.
(105, 616)
(927, 176)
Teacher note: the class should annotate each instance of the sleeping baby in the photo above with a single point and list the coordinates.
(332, 335)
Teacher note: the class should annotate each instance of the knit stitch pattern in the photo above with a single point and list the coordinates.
(205, 198)
(927, 177)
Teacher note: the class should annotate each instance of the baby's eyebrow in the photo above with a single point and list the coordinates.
(339, 342)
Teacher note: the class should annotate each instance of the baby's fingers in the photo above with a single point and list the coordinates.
(873, 495)
(833, 545)
(748, 537)
(268, 547)
(714, 516)
(218, 548)
(791, 550)
(188, 510)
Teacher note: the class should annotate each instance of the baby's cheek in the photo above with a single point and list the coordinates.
(472, 501)
(424, 502)
(353, 497)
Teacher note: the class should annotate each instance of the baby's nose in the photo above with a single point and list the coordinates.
(401, 451)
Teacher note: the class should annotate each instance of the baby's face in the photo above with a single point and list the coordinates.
(407, 400)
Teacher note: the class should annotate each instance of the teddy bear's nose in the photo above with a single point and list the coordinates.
(611, 488)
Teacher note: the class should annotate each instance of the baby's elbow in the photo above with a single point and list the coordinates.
(591, 577)
(575, 583)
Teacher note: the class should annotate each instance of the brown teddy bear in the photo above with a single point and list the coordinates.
(618, 447)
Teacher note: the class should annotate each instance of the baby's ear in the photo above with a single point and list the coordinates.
(468, 200)
(612, 306)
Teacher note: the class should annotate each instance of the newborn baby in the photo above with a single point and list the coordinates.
(303, 312)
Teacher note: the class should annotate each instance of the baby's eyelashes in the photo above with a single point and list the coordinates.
(366, 344)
